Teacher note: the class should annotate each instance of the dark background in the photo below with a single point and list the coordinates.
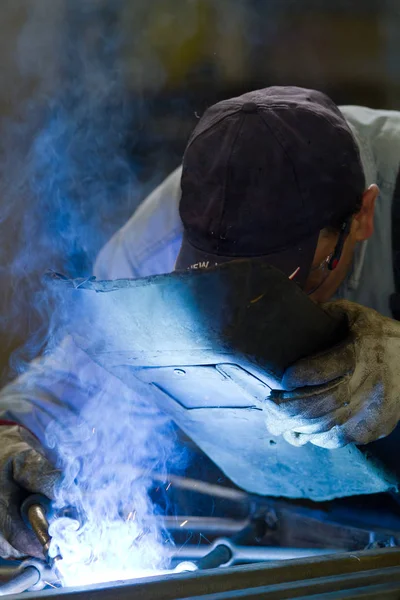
(95, 79)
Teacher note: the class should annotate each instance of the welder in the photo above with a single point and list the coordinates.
(285, 175)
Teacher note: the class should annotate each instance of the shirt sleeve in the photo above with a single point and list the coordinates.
(54, 387)
(148, 244)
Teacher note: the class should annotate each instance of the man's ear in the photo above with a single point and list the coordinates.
(364, 219)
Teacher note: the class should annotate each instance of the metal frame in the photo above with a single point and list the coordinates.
(372, 574)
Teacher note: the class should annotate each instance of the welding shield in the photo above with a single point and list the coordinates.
(210, 345)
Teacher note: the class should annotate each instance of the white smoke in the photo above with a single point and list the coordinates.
(108, 455)
(68, 177)
(67, 182)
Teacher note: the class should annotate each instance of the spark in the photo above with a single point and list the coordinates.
(50, 584)
(184, 523)
(168, 486)
(257, 299)
(131, 516)
(356, 557)
(203, 537)
(140, 536)
(185, 543)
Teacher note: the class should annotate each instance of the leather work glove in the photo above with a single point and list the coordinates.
(347, 394)
(23, 470)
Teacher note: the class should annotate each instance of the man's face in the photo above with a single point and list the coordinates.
(322, 284)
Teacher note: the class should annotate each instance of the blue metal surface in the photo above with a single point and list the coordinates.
(207, 346)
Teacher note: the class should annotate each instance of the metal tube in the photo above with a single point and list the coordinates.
(202, 487)
(205, 525)
(22, 582)
(230, 580)
(6, 572)
(251, 554)
(47, 575)
(248, 554)
(219, 555)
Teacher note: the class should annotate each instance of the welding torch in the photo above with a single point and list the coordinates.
(32, 574)
(34, 512)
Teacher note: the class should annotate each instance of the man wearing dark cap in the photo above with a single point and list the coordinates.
(263, 175)
(285, 175)
(277, 174)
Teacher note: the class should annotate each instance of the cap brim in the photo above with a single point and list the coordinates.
(295, 262)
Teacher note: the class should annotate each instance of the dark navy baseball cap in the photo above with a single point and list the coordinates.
(262, 175)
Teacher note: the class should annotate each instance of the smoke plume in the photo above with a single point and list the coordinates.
(108, 456)
(66, 183)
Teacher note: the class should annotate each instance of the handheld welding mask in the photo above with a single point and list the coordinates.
(209, 345)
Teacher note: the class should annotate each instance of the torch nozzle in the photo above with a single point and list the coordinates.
(34, 513)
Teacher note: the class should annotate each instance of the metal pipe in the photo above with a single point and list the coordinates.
(230, 554)
(47, 575)
(231, 580)
(222, 551)
(25, 580)
(205, 525)
(252, 554)
(6, 572)
(221, 554)
(202, 487)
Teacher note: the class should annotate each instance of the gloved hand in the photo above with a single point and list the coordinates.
(23, 469)
(350, 393)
